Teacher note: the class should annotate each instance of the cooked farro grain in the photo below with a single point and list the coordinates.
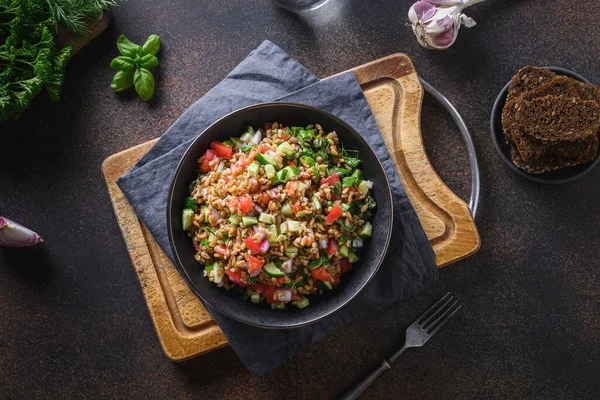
(279, 213)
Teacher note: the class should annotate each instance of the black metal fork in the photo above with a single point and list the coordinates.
(417, 334)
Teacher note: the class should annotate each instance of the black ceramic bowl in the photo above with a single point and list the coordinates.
(321, 306)
(554, 177)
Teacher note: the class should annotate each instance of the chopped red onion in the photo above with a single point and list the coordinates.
(255, 272)
(369, 184)
(323, 243)
(257, 137)
(358, 242)
(14, 235)
(215, 214)
(283, 294)
(264, 246)
(258, 208)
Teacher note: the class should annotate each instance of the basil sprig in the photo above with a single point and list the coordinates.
(133, 66)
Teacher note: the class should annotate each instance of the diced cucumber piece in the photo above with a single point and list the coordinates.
(291, 251)
(205, 207)
(348, 181)
(255, 297)
(265, 159)
(343, 249)
(272, 235)
(323, 260)
(237, 142)
(282, 175)
(363, 186)
(249, 221)
(208, 269)
(316, 202)
(345, 207)
(287, 149)
(187, 218)
(234, 220)
(293, 226)
(366, 231)
(286, 209)
(266, 218)
(352, 257)
(246, 137)
(190, 203)
(270, 171)
(303, 302)
(301, 186)
(278, 306)
(272, 270)
(325, 285)
(308, 161)
(292, 171)
(253, 168)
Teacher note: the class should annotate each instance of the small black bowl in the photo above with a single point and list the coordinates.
(549, 178)
(321, 306)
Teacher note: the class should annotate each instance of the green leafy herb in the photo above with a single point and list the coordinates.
(77, 15)
(134, 64)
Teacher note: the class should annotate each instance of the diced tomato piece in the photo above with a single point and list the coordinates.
(227, 179)
(259, 287)
(336, 280)
(291, 163)
(284, 137)
(222, 249)
(265, 199)
(254, 248)
(270, 294)
(254, 263)
(332, 247)
(295, 208)
(332, 179)
(321, 274)
(246, 204)
(262, 148)
(236, 278)
(233, 204)
(206, 159)
(291, 188)
(334, 215)
(345, 265)
(280, 281)
(222, 150)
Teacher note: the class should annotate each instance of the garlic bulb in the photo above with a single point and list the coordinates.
(436, 22)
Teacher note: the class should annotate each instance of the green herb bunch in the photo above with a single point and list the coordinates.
(133, 66)
(29, 59)
(77, 15)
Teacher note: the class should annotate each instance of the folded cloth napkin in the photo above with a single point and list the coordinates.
(269, 74)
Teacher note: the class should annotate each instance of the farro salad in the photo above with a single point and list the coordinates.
(279, 213)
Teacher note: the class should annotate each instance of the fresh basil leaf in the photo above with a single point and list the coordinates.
(148, 61)
(127, 47)
(123, 63)
(152, 45)
(122, 80)
(144, 83)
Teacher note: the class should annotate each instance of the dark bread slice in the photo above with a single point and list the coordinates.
(552, 162)
(554, 119)
(528, 147)
(528, 78)
(585, 91)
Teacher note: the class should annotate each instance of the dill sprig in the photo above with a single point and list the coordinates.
(77, 15)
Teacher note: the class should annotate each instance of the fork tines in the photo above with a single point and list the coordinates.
(437, 315)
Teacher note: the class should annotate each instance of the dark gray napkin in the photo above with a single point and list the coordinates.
(269, 74)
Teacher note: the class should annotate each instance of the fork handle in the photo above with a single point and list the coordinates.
(366, 382)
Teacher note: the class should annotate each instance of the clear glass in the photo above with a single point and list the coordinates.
(300, 5)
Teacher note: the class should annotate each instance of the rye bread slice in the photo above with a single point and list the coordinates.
(585, 91)
(552, 162)
(530, 148)
(558, 119)
(528, 78)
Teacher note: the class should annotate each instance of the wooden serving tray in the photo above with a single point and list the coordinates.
(391, 85)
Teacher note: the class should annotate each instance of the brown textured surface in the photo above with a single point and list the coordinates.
(73, 322)
(184, 327)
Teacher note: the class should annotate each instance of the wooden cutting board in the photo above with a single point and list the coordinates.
(391, 85)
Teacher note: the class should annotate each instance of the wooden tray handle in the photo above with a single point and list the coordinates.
(446, 219)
